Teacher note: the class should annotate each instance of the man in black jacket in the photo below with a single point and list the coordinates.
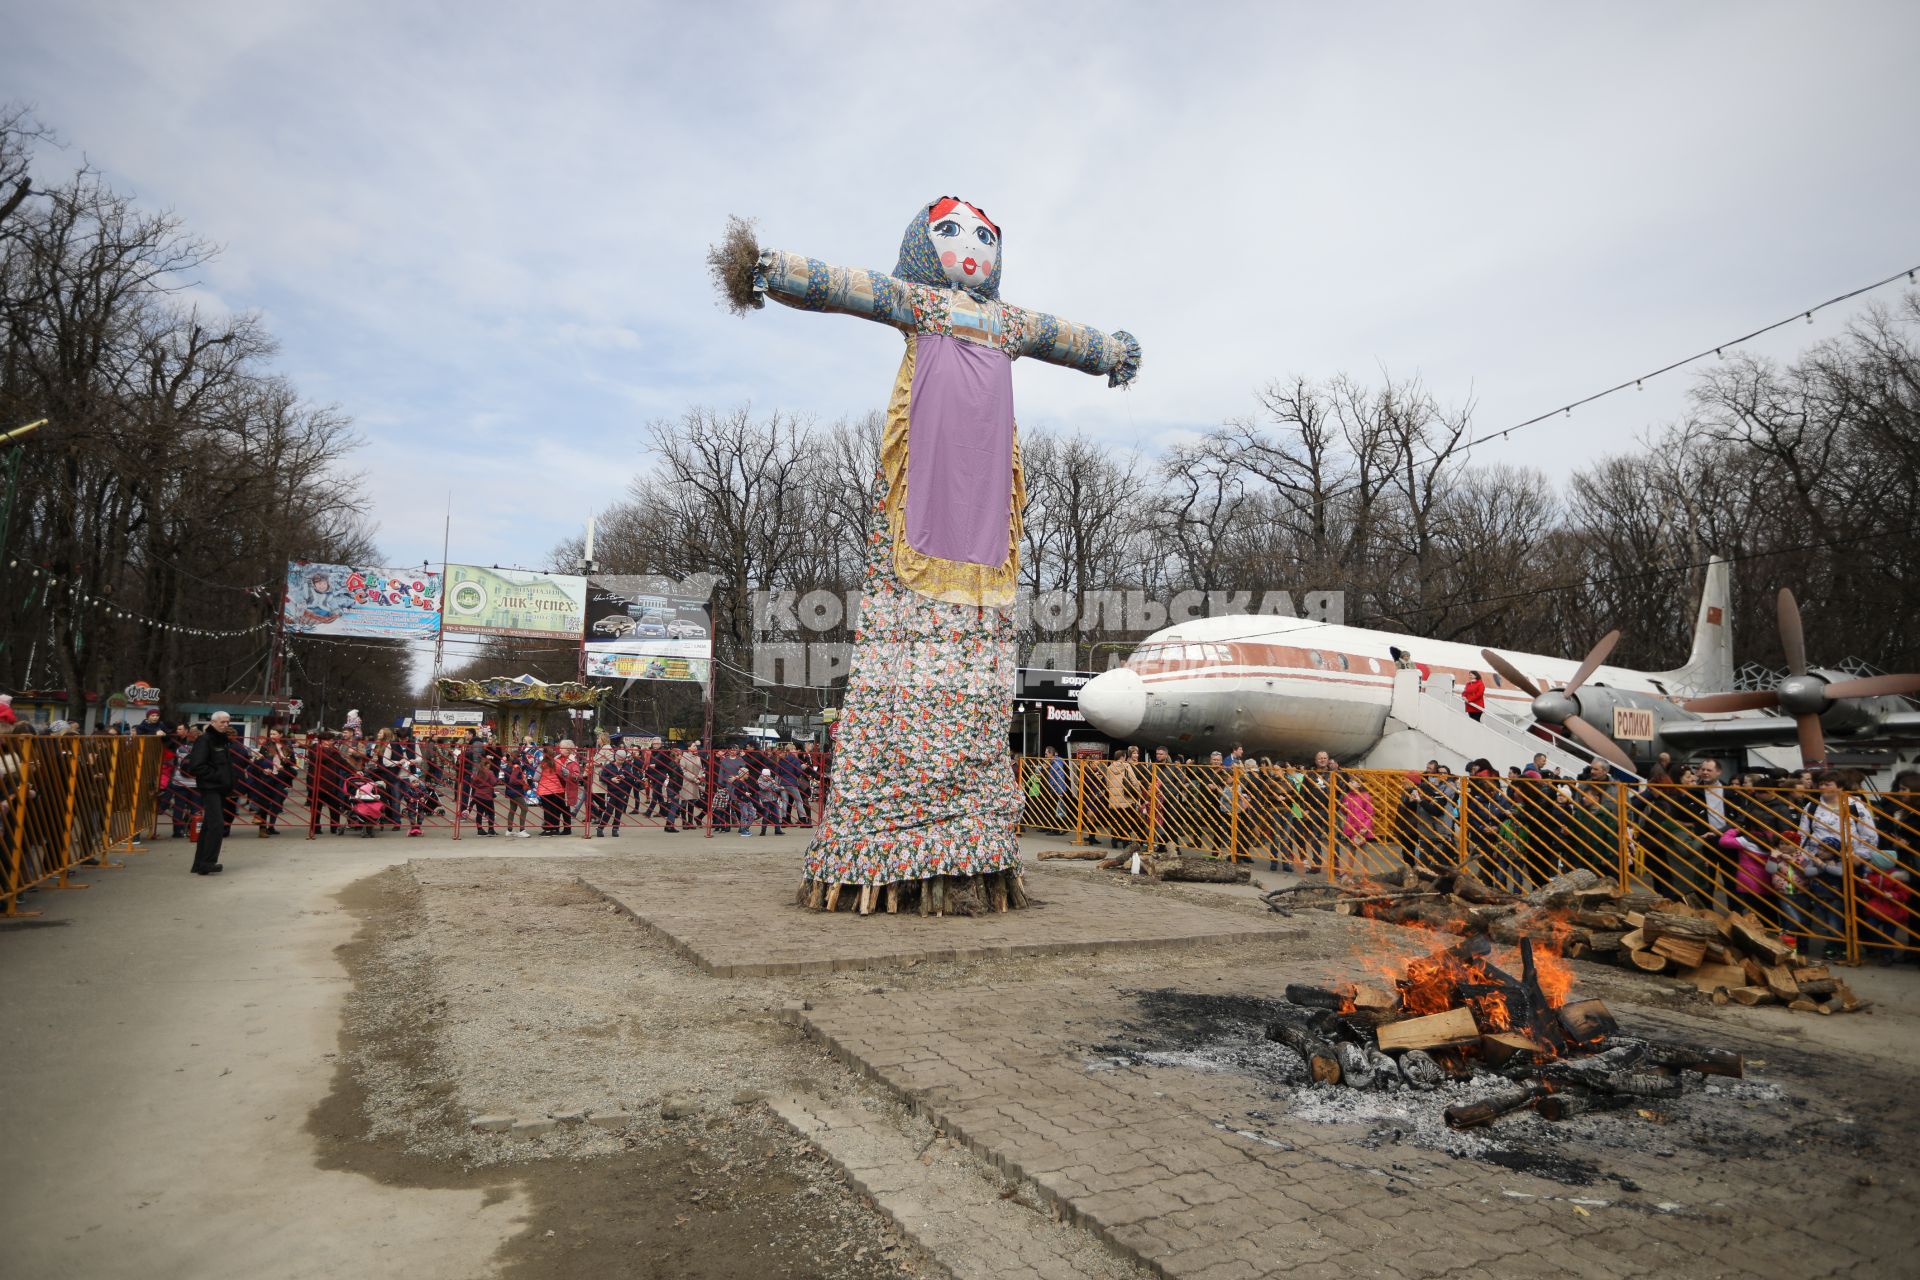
(211, 764)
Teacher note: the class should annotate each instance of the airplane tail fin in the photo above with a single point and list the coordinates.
(1709, 667)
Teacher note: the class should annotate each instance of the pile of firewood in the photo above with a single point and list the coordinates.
(1564, 1060)
(1727, 957)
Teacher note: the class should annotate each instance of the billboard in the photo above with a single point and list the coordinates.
(362, 600)
(514, 602)
(640, 628)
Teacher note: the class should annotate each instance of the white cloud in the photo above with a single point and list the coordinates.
(481, 232)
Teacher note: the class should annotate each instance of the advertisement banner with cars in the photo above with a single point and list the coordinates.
(514, 602)
(362, 600)
(638, 629)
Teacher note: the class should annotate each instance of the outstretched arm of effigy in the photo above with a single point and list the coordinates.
(812, 285)
(1079, 346)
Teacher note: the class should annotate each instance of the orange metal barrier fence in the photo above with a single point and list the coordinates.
(1834, 866)
(70, 802)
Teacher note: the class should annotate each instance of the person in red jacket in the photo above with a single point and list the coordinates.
(1475, 695)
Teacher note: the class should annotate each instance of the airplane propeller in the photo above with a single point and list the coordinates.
(1560, 706)
(1803, 694)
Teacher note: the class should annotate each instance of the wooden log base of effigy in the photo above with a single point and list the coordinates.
(978, 895)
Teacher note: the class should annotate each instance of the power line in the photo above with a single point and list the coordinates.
(1717, 350)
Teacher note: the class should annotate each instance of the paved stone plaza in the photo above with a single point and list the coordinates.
(1203, 1174)
(735, 917)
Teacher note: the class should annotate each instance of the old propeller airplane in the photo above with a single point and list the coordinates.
(1290, 687)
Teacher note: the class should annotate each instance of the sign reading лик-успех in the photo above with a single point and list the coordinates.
(513, 602)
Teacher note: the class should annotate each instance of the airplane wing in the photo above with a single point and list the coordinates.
(1759, 731)
(1748, 731)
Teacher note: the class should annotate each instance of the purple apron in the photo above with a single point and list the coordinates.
(960, 451)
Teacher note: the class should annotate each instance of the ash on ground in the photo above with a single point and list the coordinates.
(1227, 1034)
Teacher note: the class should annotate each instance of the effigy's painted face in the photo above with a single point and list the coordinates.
(966, 245)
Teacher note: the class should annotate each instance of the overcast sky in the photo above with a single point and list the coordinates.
(479, 227)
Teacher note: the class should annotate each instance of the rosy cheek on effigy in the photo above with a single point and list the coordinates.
(966, 244)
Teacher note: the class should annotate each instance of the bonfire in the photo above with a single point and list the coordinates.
(1456, 1013)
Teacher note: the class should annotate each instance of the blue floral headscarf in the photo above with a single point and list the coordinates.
(920, 264)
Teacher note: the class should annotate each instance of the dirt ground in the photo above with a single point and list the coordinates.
(504, 986)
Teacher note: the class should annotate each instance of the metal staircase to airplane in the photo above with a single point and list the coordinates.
(1496, 737)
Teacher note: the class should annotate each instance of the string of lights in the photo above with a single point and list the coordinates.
(1718, 350)
(81, 598)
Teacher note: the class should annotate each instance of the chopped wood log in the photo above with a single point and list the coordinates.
(1467, 1115)
(1607, 1073)
(1356, 1065)
(1811, 973)
(1671, 924)
(1750, 995)
(939, 884)
(1708, 1062)
(1587, 1020)
(817, 895)
(1634, 940)
(833, 898)
(1651, 961)
(1375, 999)
(1605, 943)
(1636, 919)
(1085, 853)
(1386, 1072)
(1765, 946)
(1609, 921)
(1755, 971)
(1565, 1106)
(1715, 977)
(925, 895)
(1207, 871)
(1818, 988)
(1466, 886)
(1439, 1030)
(1800, 1004)
(1323, 1062)
(1562, 886)
(893, 899)
(1504, 1048)
(1719, 997)
(1688, 953)
(997, 893)
(1420, 1071)
(1849, 1002)
(1017, 889)
(1308, 996)
(1780, 982)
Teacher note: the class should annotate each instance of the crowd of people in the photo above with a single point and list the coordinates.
(361, 786)
(1768, 844)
